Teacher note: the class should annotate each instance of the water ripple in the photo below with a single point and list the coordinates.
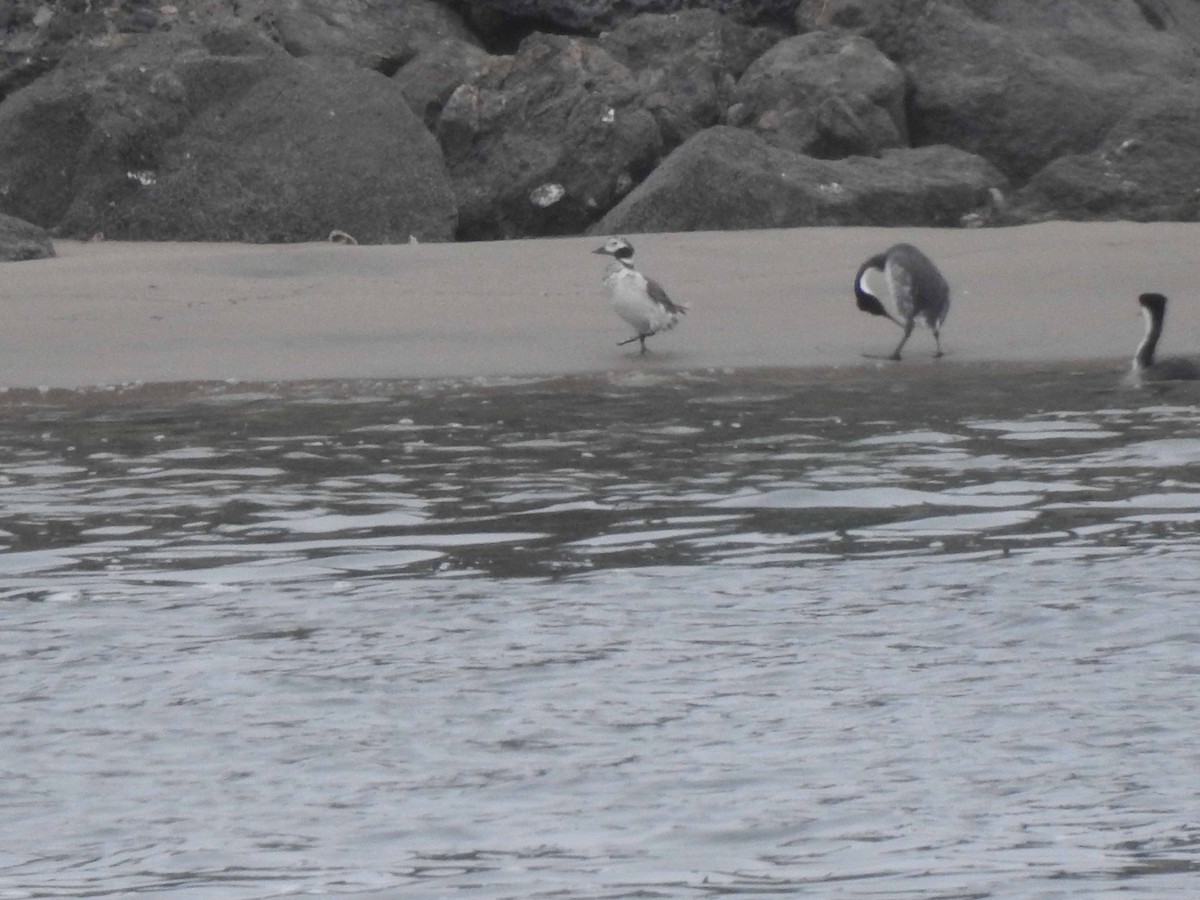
(887, 633)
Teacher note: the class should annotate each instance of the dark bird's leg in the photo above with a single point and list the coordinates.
(908, 329)
(937, 339)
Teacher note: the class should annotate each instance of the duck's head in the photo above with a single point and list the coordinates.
(617, 247)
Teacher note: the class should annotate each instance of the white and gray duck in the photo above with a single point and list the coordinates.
(640, 301)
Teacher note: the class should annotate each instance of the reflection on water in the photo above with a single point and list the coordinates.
(867, 633)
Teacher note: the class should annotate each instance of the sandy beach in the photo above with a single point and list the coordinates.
(118, 313)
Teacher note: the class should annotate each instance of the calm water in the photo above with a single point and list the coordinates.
(908, 633)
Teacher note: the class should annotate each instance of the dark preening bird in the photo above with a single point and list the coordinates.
(1145, 366)
(917, 288)
(640, 301)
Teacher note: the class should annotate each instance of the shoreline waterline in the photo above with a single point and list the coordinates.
(1107, 375)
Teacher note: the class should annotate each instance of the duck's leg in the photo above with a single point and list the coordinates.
(641, 338)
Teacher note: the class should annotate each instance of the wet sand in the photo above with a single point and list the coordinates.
(118, 313)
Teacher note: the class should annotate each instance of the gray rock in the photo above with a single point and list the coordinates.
(435, 74)
(1146, 169)
(726, 178)
(546, 141)
(595, 16)
(1180, 17)
(1021, 82)
(686, 65)
(824, 94)
(541, 143)
(21, 240)
(374, 34)
(867, 17)
(217, 134)
(994, 91)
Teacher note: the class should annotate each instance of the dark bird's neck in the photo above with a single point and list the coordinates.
(867, 301)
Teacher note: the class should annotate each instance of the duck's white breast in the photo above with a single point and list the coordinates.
(631, 299)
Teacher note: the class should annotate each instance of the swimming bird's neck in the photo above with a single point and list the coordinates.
(1144, 358)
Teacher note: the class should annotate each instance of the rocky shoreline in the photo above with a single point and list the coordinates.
(440, 120)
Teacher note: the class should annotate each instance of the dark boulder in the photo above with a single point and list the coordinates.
(35, 35)
(686, 65)
(141, 118)
(726, 178)
(996, 91)
(545, 141)
(21, 240)
(374, 34)
(1021, 82)
(1146, 169)
(430, 79)
(1180, 17)
(868, 17)
(595, 16)
(217, 134)
(824, 94)
(541, 143)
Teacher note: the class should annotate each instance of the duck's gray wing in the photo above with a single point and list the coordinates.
(659, 295)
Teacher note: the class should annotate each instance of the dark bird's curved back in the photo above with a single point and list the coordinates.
(929, 292)
(917, 287)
